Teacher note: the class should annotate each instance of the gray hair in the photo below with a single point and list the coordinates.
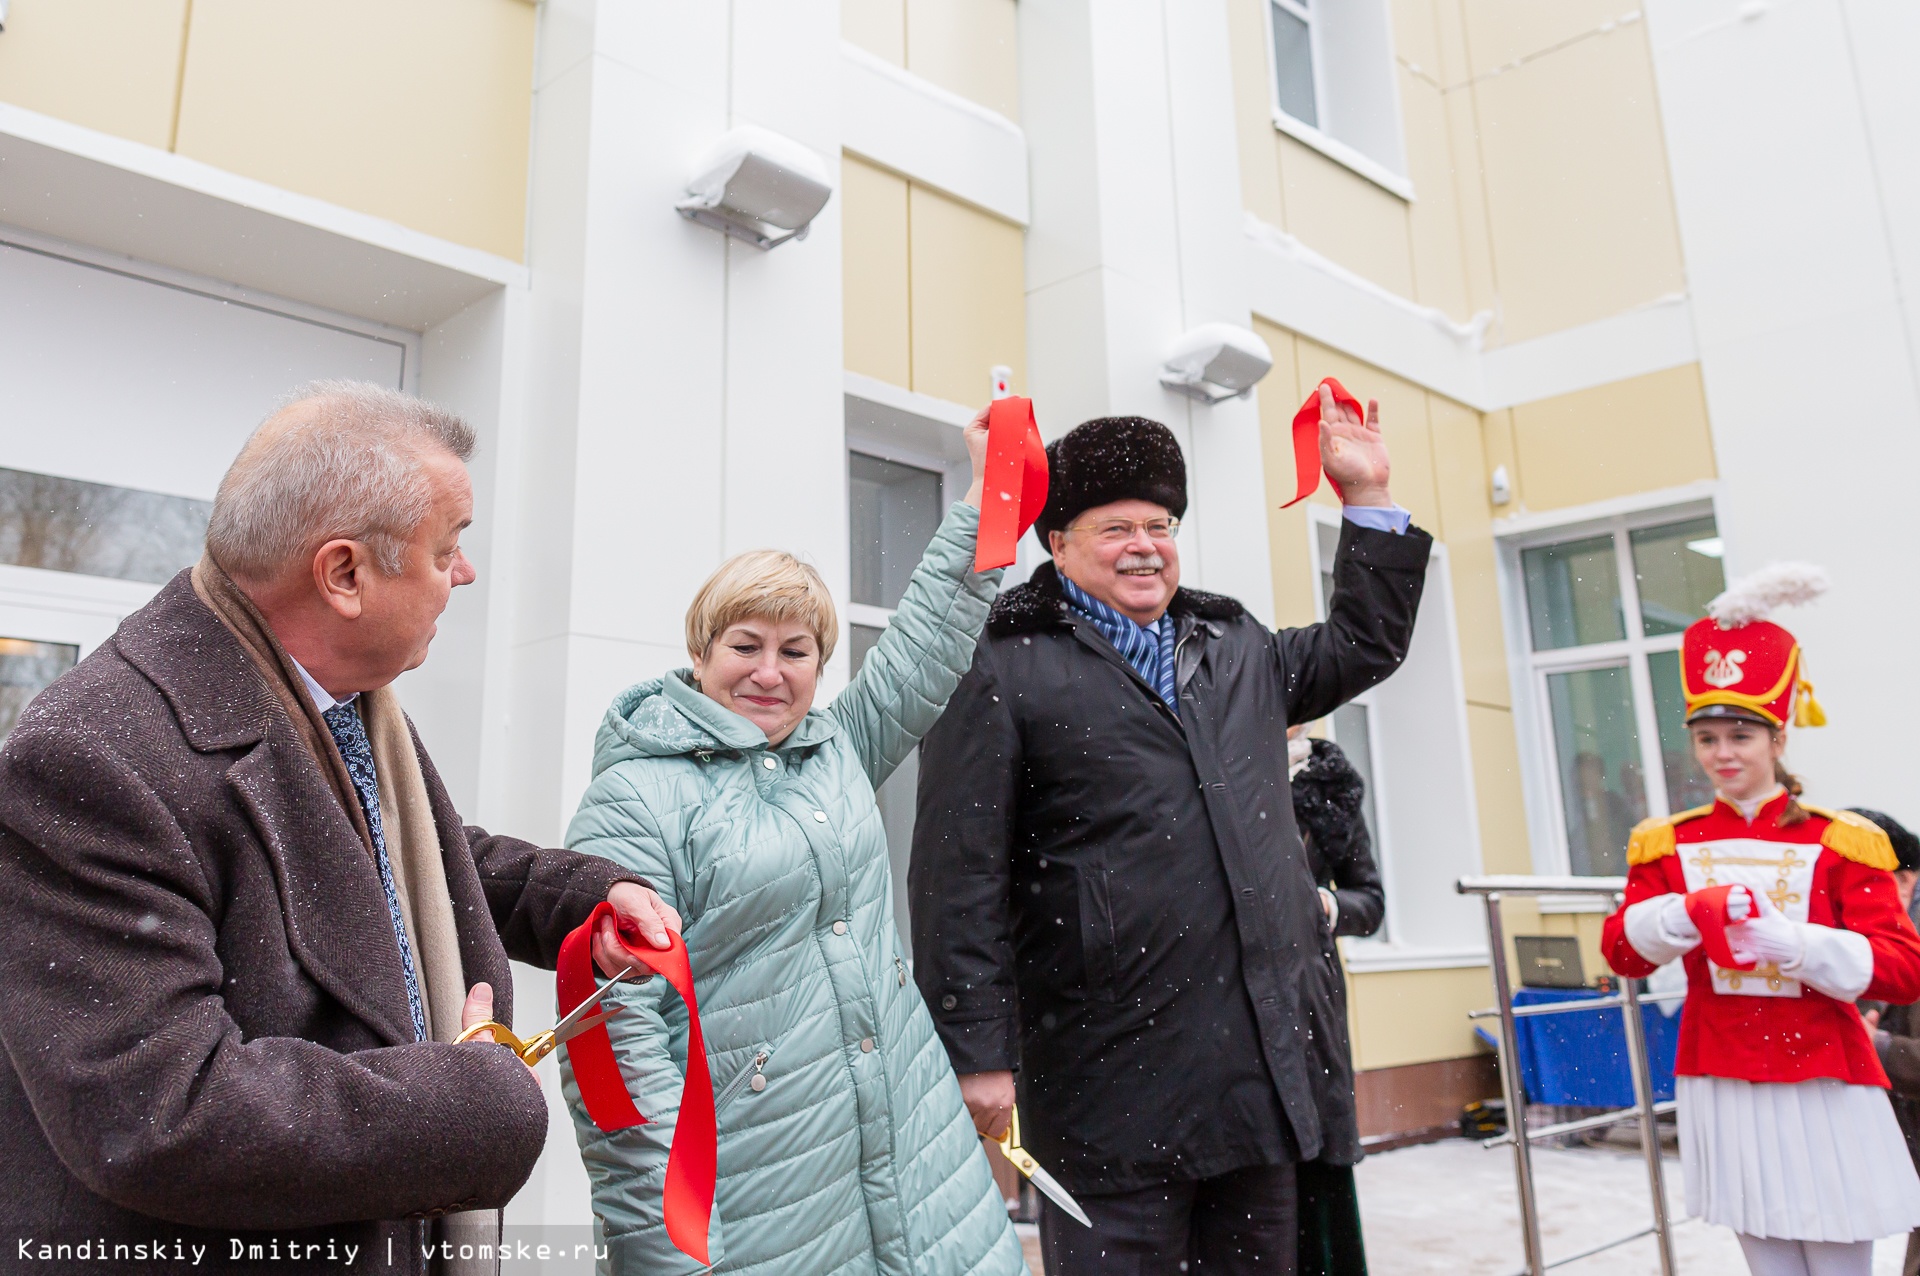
(336, 460)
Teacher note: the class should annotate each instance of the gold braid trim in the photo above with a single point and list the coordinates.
(1654, 838)
(1856, 837)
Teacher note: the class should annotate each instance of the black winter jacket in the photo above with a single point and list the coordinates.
(1328, 796)
(1114, 900)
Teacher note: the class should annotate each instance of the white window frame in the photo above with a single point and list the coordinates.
(1390, 950)
(1319, 137)
(1528, 669)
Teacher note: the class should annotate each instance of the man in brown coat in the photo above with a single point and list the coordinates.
(240, 920)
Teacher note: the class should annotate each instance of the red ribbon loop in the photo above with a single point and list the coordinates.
(1015, 484)
(1707, 908)
(693, 1161)
(1306, 441)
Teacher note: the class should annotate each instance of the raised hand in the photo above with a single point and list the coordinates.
(976, 437)
(1353, 452)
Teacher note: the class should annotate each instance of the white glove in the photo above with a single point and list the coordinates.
(1659, 928)
(1761, 933)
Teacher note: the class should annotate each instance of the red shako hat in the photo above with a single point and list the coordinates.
(1736, 664)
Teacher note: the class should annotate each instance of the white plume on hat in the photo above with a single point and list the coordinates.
(1755, 595)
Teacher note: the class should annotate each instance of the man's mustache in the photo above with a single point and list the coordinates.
(1139, 562)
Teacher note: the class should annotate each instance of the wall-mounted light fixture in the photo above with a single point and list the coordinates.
(4, 6)
(1216, 361)
(757, 186)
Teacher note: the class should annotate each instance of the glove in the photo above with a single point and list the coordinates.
(1659, 928)
(1760, 933)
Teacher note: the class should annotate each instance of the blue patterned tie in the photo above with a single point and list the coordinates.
(351, 735)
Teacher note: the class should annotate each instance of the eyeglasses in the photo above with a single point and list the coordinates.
(1117, 531)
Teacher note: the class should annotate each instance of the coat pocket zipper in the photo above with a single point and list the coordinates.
(754, 1067)
(901, 966)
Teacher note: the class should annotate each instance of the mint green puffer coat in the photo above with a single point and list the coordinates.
(844, 1146)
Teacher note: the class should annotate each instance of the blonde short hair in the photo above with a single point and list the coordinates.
(767, 583)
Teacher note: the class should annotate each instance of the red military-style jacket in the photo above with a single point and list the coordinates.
(1832, 870)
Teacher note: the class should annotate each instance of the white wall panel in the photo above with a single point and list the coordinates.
(114, 378)
(1791, 170)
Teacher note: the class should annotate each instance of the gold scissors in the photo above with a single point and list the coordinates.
(541, 1044)
(1023, 1161)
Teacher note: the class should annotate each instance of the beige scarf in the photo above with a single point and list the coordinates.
(414, 853)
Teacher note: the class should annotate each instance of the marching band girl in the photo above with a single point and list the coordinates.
(1783, 913)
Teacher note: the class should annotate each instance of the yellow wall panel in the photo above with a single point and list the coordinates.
(1403, 419)
(1253, 113)
(1415, 1016)
(1290, 543)
(1342, 215)
(1500, 31)
(970, 47)
(1578, 199)
(874, 280)
(413, 110)
(1416, 33)
(1632, 436)
(112, 65)
(1496, 440)
(1460, 479)
(968, 305)
(1499, 800)
(1433, 219)
(878, 26)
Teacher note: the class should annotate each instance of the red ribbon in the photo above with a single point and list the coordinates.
(693, 1161)
(1015, 483)
(1306, 441)
(1707, 908)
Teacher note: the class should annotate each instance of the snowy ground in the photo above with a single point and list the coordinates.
(1449, 1208)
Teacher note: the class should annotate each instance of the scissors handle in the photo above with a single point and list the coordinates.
(531, 1051)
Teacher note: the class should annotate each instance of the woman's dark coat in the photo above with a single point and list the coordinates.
(205, 1038)
(1328, 801)
(1115, 901)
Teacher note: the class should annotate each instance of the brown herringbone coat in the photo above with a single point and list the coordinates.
(205, 1026)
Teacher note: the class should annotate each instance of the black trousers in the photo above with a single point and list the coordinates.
(1245, 1221)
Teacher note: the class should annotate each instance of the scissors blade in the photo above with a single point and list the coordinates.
(1058, 1195)
(588, 1024)
(579, 1012)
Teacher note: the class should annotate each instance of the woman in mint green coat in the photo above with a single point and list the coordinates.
(844, 1144)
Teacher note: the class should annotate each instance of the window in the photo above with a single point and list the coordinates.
(1335, 86)
(893, 511)
(1604, 615)
(65, 525)
(1293, 85)
(1407, 738)
(895, 503)
(26, 667)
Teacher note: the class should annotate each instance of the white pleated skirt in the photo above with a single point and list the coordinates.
(1817, 1161)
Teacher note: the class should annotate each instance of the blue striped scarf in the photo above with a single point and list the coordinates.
(1148, 648)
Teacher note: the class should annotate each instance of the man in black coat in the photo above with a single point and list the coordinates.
(1110, 898)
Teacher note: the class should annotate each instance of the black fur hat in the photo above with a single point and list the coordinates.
(1111, 458)
(1906, 847)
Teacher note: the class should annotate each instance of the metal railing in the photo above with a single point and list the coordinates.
(1644, 1109)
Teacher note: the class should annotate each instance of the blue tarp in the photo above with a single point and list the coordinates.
(1579, 1059)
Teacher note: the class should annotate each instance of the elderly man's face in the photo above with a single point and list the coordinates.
(392, 619)
(405, 609)
(1135, 574)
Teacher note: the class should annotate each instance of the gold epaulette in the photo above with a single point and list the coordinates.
(1653, 838)
(1856, 837)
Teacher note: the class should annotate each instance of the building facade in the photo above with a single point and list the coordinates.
(1636, 288)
